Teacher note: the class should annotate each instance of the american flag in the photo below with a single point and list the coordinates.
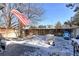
(23, 19)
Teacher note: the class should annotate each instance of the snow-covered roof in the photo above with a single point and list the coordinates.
(52, 27)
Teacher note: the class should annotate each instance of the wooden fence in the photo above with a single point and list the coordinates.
(45, 31)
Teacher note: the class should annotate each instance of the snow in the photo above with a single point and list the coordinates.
(62, 47)
(37, 41)
(18, 42)
(75, 40)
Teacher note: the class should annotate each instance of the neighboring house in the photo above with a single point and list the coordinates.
(75, 31)
(43, 31)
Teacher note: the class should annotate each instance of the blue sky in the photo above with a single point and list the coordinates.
(55, 12)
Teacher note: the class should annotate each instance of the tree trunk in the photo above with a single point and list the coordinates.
(9, 21)
(20, 30)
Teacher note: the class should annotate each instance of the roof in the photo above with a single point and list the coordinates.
(55, 28)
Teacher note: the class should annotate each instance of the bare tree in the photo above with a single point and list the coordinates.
(58, 25)
(32, 11)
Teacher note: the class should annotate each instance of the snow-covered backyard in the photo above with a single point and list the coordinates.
(38, 46)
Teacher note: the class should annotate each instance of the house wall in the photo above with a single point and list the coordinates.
(76, 32)
(11, 33)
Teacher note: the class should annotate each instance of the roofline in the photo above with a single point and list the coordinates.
(55, 28)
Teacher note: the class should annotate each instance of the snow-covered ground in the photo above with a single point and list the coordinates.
(62, 47)
(35, 41)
